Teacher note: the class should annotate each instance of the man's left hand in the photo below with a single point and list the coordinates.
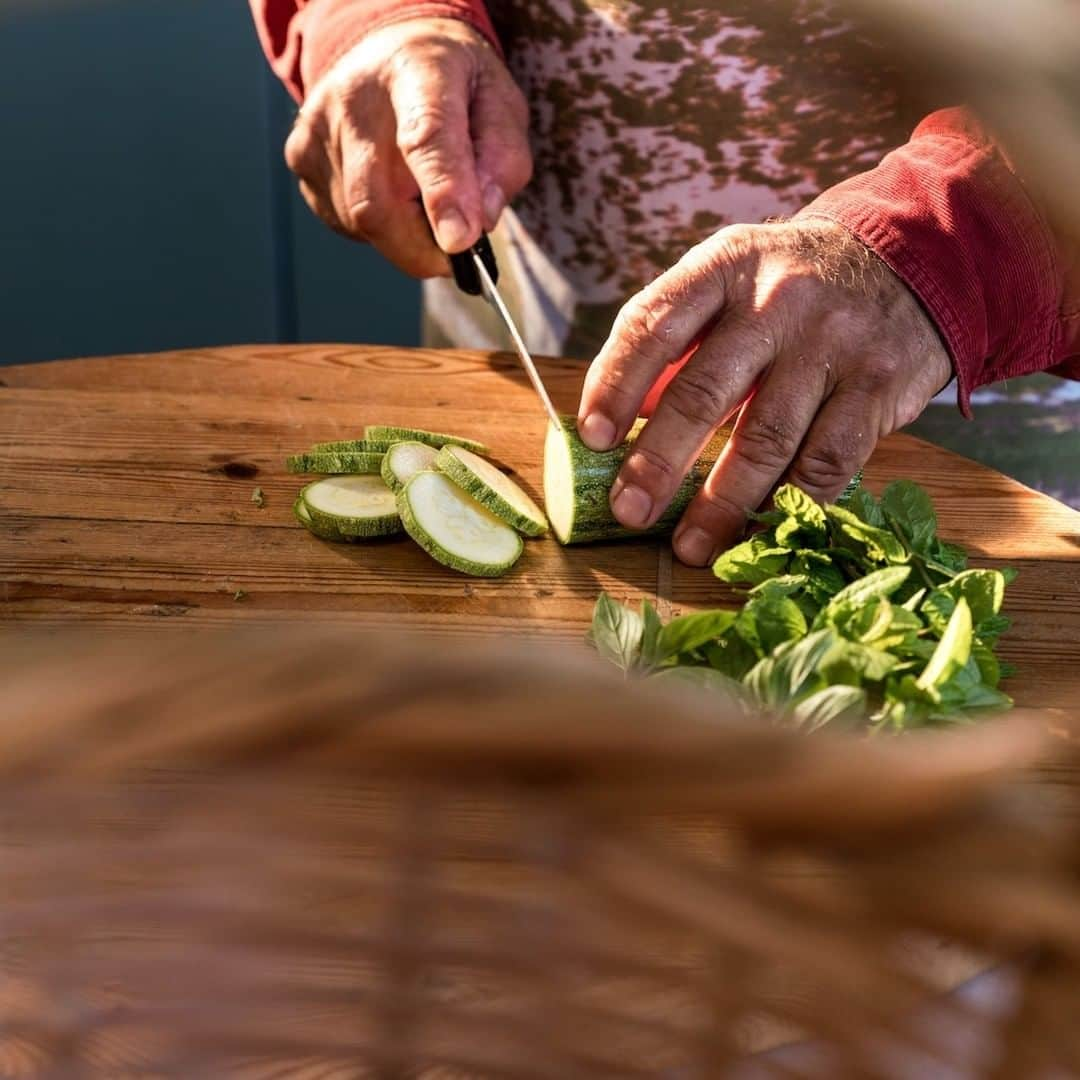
(824, 348)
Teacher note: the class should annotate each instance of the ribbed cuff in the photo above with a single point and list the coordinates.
(333, 27)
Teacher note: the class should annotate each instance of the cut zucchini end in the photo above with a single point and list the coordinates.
(437, 439)
(404, 460)
(492, 489)
(559, 482)
(358, 507)
(454, 529)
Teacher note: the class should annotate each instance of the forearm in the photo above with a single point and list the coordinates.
(303, 38)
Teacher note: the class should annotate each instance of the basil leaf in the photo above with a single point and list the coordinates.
(753, 561)
(651, 627)
(864, 506)
(1009, 573)
(792, 669)
(616, 632)
(784, 585)
(983, 590)
(937, 609)
(776, 619)
(832, 705)
(909, 509)
(953, 650)
(987, 662)
(879, 545)
(799, 507)
(992, 628)
(706, 679)
(881, 583)
(689, 632)
(950, 557)
(731, 655)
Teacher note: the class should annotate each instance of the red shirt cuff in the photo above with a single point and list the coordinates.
(947, 214)
(332, 27)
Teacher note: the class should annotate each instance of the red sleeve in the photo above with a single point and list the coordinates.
(949, 215)
(303, 38)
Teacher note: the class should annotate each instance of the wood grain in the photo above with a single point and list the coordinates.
(126, 483)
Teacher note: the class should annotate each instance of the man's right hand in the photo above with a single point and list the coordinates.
(419, 110)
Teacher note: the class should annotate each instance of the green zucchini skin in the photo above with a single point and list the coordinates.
(439, 553)
(350, 446)
(437, 439)
(452, 466)
(332, 464)
(328, 532)
(593, 475)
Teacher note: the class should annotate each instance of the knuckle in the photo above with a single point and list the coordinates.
(421, 131)
(768, 445)
(652, 467)
(642, 324)
(826, 464)
(696, 399)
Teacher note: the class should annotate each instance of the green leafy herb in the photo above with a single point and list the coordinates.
(856, 612)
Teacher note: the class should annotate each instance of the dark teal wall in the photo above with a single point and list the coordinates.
(143, 203)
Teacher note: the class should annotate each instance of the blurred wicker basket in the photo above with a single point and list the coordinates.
(337, 856)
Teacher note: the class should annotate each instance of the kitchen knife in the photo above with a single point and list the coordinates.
(476, 273)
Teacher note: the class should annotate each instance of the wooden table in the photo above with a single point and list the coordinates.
(126, 502)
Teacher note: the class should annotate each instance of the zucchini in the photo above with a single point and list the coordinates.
(351, 446)
(577, 488)
(380, 433)
(404, 460)
(355, 506)
(334, 463)
(454, 529)
(323, 532)
(492, 489)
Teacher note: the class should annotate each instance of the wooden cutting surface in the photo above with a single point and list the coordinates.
(126, 502)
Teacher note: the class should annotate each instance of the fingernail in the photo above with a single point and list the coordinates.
(694, 546)
(494, 202)
(452, 231)
(597, 432)
(633, 507)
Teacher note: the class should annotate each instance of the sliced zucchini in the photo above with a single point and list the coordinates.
(404, 460)
(356, 506)
(455, 529)
(492, 489)
(334, 464)
(577, 488)
(323, 532)
(380, 433)
(350, 446)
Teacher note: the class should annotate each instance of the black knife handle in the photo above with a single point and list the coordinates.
(465, 273)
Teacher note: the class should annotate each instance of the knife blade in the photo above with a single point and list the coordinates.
(476, 273)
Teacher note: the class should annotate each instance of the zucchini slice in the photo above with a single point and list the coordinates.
(492, 489)
(323, 532)
(577, 487)
(334, 463)
(356, 506)
(404, 460)
(454, 529)
(350, 446)
(380, 433)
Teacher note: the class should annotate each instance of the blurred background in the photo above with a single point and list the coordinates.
(147, 207)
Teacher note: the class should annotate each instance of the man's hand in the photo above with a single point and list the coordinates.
(826, 346)
(422, 109)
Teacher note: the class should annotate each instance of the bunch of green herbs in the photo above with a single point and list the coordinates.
(857, 613)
